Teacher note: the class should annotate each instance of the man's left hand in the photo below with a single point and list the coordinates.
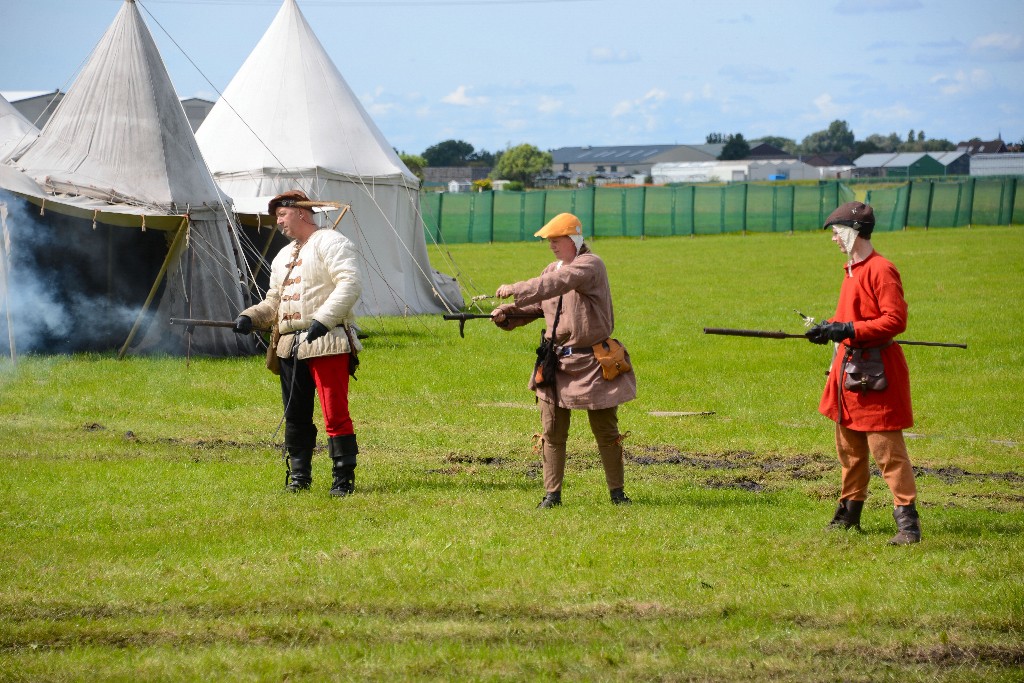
(316, 330)
(823, 332)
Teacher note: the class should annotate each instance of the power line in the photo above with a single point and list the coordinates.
(377, 3)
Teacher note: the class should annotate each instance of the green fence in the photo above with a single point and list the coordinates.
(943, 204)
(705, 210)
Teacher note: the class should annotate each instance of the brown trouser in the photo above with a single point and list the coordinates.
(890, 452)
(604, 424)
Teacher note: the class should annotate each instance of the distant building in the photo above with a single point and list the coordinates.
(955, 163)
(763, 150)
(1008, 163)
(38, 106)
(739, 170)
(976, 146)
(196, 110)
(616, 163)
(460, 186)
(442, 176)
(35, 105)
(912, 164)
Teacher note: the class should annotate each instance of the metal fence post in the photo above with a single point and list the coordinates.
(906, 208)
(928, 207)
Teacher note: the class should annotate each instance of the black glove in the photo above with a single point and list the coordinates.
(243, 325)
(316, 330)
(825, 332)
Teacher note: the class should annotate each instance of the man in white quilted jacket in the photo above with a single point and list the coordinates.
(314, 286)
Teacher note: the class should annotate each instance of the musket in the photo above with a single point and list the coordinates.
(463, 317)
(189, 323)
(766, 334)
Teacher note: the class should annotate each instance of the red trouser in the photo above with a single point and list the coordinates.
(328, 377)
(890, 452)
(330, 373)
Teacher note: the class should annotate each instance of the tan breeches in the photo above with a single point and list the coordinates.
(604, 424)
(890, 452)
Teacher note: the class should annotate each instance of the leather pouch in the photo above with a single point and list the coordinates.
(611, 354)
(863, 370)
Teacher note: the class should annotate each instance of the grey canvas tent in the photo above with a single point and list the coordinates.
(131, 212)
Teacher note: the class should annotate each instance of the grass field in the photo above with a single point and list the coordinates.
(145, 535)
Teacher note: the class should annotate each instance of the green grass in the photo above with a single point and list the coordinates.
(145, 535)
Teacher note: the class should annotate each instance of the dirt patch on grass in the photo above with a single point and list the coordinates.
(459, 463)
(804, 466)
(951, 475)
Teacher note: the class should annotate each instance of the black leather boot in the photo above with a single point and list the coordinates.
(343, 451)
(847, 515)
(300, 469)
(619, 497)
(908, 525)
(550, 500)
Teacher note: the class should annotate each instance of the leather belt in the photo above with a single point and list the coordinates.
(574, 350)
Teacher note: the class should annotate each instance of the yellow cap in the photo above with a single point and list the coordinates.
(562, 225)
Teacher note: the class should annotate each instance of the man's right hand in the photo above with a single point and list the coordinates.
(243, 325)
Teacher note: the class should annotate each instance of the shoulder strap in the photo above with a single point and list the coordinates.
(558, 314)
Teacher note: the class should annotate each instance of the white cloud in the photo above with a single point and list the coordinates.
(827, 108)
(962, 82)
(891, 115)
(872, 6)
(380, 109)
(1000, 45)
(753, 74)
(460, 98)
(645, 105)
(549, 105)
(610, 55)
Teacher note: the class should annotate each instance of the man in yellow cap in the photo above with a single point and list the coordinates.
(574, 298)
(314, 287)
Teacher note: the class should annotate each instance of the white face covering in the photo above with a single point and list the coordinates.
(577, 240)
(847, 236)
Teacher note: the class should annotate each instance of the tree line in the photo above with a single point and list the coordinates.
(523, 163)
(837, 138)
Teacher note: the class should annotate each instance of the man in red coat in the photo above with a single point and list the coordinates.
(870, 408)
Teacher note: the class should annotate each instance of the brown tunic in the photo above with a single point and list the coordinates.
(586, 319)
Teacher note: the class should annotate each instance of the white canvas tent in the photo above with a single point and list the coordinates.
(289, 120)
(15, 130)
(119, 151)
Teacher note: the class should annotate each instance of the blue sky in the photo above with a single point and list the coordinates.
(557, 73)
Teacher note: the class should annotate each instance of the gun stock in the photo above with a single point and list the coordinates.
(463, 317)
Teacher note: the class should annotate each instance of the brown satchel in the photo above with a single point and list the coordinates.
(611, 354)
(863, 370)
(273, 362)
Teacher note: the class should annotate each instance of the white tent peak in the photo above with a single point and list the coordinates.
(288, 120)
(289, 108)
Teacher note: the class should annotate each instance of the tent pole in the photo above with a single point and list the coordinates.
(156, 285)
(263, 255)
(4, 240)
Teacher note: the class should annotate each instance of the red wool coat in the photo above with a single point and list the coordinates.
(873, 301)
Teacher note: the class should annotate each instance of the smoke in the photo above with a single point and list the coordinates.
(73, 287)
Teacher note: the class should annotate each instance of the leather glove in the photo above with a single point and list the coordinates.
(316, 330)
(825, 332)
(243, 325)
